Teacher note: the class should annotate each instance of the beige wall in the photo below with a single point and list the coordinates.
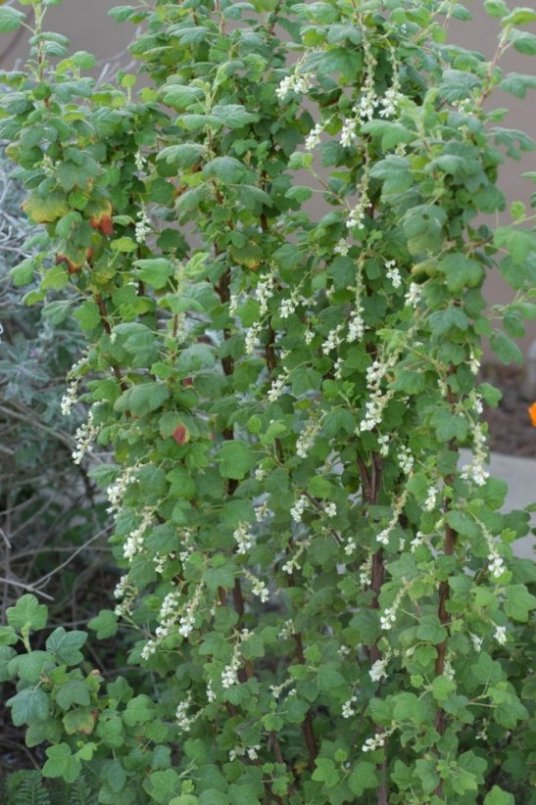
(86, 23)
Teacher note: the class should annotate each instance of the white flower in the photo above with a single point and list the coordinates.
(298, 82)
(333, 340)
(264, 292)
(356, 326)
(84, 438)
(306, 439)
(500, 634)
(184, 721)
(383, 444)
(252, 336)
(378, 670)
(243, 538)
(143, 227)
(348, 133)
(296, 511)
(70, 397)
(390, 102)
(476, 641)
(342, 247)
(474, 363)
(276, 389)
(356, 217)
(140, 162)
(313, 138)
(431, 499)
(496, 565)
(413, 295)
(134, 542)
(258, 587)
(348, 709)
(343, 651)
(406, 460)
(331, 509)
(371, 744)
(476, 471)
(393, 273)
(350, 546)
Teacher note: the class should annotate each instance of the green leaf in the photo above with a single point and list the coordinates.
(66, 645)
(363, 776)
(520, 16)
(23, 273)
(234, 116)
(27, 613)
(62, 763)
(155, 272)
(236, 459)
(496, 8)
(460, 272)
(27, 706)
(104, 624)
(524, 42)
(518, 602)
(142, 399)
(88, 315)
(185, 155)
(182, 96)
(226, 169)
(73, 692)
(7, 671)
(431, 630)
(30, 666)
(506, 349)
(498, 797)
(390, 134)
(10, 20)
(326, 772)
(517, 84)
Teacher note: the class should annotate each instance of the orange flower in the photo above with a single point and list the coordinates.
(532, 413)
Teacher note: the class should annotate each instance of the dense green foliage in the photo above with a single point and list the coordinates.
(321, 604)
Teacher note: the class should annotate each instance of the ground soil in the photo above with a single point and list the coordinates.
(511, 431)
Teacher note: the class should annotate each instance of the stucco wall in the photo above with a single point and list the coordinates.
(86, 23)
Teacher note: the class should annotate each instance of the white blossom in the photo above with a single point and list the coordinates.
(252, 336)
(243, 538)
(431, 499)
(371, 744)
(356, 326)
(278, 385)
(84, 438)
(348, 709)
(306, 439)
(378, 670)
(414, 294)
(70, 397)
(477, 642)
(348, 133)
(297, 82)
(333, 340)
(184, 721)
(297, 510)
(342, 247)
(258, 587)
(134, 542)
(116, 491)
(476, 470)
(313, 138)
(500, 634)
(331, 509)
(393, 273)
(143, 227)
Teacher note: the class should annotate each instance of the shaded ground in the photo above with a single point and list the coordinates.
(511, 431)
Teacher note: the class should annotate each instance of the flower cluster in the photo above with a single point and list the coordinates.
(383, 536)
(306, 439)
(297, 510)
(258, 587)
(476, 470)
(229, 676)
(243, 538)
(116, 491)
(388, 618)
(84, 439)
(134, 542)
(299, 83)
(184, 721)
(143, 227)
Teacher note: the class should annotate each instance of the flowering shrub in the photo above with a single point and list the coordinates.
(322, 603)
